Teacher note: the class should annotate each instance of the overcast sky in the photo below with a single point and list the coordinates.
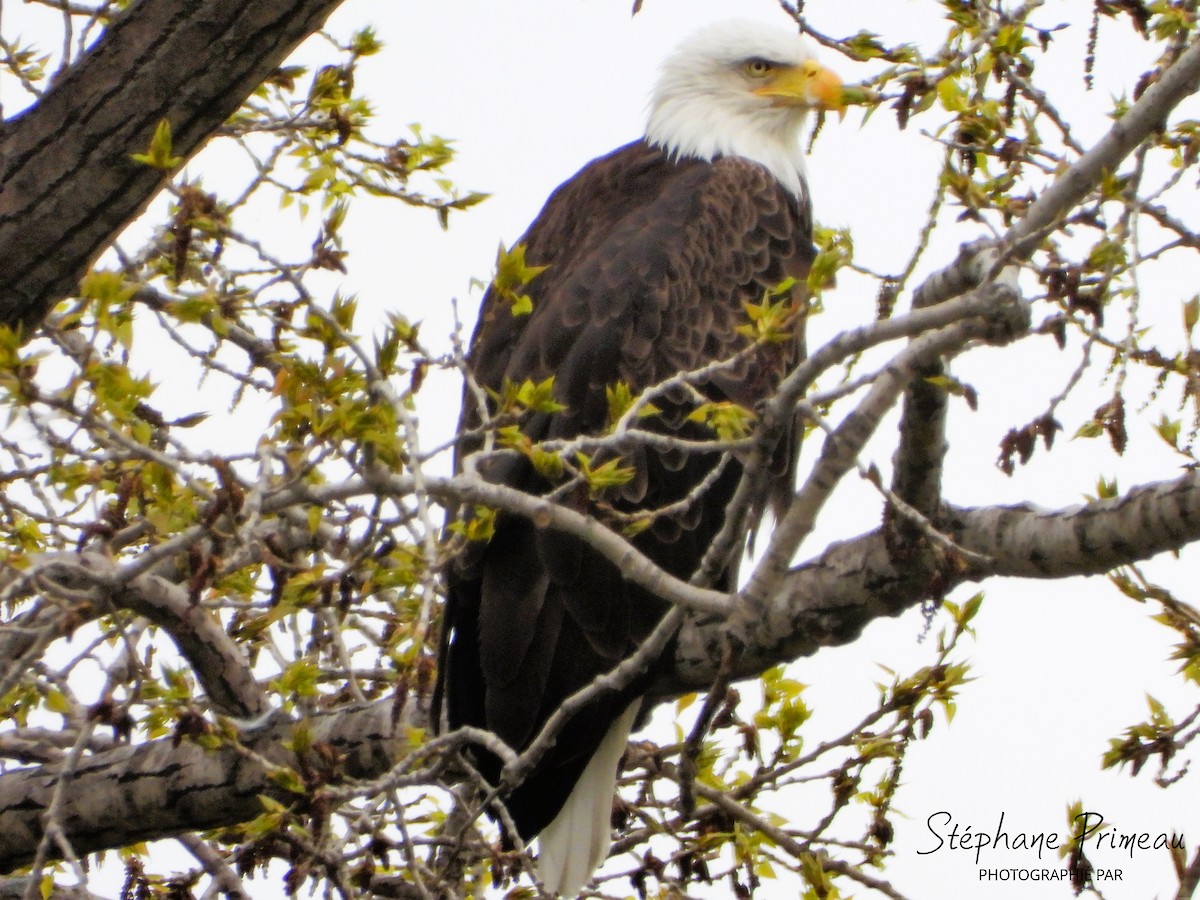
(530, 90)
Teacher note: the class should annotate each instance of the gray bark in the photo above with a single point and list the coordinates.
(67, 182)
(160, 788)
(829, 600)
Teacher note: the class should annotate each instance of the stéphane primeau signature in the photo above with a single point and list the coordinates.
(1089, 827)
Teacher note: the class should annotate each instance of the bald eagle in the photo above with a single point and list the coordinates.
(652, 254)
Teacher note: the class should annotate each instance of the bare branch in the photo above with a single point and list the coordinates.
(219, 664)
(828, 601)
(96, 115)
(842, 448)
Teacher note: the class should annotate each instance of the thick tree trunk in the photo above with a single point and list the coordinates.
(67, 182)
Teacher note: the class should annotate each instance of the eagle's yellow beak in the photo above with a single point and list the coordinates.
(809, 84)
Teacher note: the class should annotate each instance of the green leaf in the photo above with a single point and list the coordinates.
(637, 525)
(620, 399)
(1106, 255)
(952, 96)
(56, 701)
(1127, 587)
(343, 310)
(835, 250)
(480, 527)
(969, 609)
(549, 465)
(771, 319)
(535, 396)
(865, 45)
(365, 42)
(513, 274)
(158, 156)
(302, 676)
(1158, 713)
(949, 708)
(288, 779)
(606, 475)
(539, 396)
(1168, 430)
(108, 287)
(301, 740)
(729, 421)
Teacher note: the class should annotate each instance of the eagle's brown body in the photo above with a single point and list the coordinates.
(651, 263)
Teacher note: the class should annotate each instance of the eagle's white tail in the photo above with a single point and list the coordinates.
(572, 846)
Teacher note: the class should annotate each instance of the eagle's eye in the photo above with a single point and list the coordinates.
(757, 68)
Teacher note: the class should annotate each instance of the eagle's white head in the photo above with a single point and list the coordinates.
(741, 88)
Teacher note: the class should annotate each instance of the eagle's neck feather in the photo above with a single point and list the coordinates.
(701, 127)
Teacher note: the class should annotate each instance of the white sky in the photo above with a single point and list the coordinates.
(530, 91)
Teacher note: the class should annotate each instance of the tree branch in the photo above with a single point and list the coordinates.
(826, 602)
(67, 182)
(1146, 115)
(922, 444)
(1009, 317)
(219, 664)
(156, 789)
(167, 787)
